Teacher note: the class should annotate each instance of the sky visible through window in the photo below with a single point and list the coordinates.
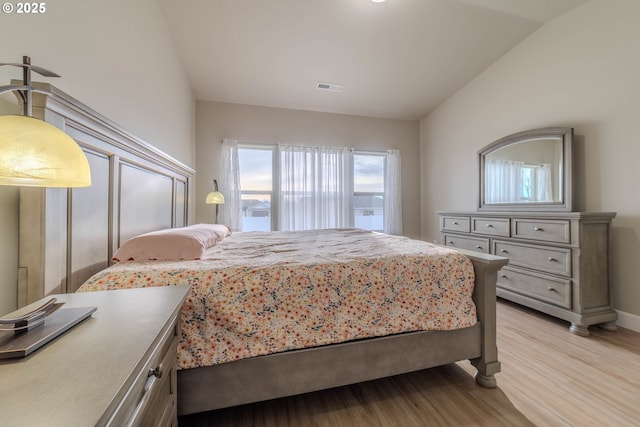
(256, 170)
(368, 173)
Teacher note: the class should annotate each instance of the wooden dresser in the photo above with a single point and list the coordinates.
(558, 262)
(118, 367)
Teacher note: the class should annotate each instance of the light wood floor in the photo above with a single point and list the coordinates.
(549, 377)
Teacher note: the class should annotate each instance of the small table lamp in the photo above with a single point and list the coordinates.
(215, 198)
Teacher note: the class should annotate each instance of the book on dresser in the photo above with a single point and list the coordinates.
(558, 261)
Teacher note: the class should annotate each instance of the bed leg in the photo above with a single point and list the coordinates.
(485, 379)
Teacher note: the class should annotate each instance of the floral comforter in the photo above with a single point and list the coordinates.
(258, 293)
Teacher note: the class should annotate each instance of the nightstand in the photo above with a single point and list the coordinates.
(118, 367)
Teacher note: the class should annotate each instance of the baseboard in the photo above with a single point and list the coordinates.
(628, 321)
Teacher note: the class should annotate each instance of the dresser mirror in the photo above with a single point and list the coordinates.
(528, 170)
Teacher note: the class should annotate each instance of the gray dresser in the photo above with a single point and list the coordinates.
(558, 262)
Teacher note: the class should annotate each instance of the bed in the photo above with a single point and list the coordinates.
(139, 190)
(302, 311)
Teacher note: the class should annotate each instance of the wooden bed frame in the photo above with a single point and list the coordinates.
(300, 371)
(68, 235)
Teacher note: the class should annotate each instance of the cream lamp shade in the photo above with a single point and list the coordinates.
(214, 198)
(34, 153)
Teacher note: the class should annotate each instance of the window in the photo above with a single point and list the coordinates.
(536, 183)
(526, 189)
(515, 181)
(256, 187)
(368, 190)
(262, 172)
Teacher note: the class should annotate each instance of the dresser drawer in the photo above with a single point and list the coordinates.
(157, 407)
(456, 223)
(543, 230)
(490, 226)
(463, 242)
(154, 387)
(543, 258)
(541, 287)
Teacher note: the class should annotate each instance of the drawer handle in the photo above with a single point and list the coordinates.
(550, 289)
(455, 222)
(489, 226)
(449, 242)
(478, 247)
(538, 229)
(155, 372)
(139, 412)
(504, 251)
(504, 276)
(551, 259)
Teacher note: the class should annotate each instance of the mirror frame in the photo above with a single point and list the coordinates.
(565, 135)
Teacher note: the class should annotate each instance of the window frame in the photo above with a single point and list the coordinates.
(275, 185)
(382, 154)
(275, 180)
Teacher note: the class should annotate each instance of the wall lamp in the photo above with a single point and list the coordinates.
(215, 198)
(34, 153)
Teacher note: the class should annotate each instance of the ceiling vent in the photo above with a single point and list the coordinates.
(331, 87)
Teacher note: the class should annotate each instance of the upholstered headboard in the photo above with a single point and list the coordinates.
(67, 235)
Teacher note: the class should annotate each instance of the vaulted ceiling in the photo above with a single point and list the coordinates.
(398, 59)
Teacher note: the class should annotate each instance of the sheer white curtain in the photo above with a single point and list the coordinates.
(504, 178)
(316, 188)
(514, 181)
(229, 184)
(393, 194)
(543, 183)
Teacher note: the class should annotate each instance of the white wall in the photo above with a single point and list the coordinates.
(581, 70)
(117, 57)
(216, 121)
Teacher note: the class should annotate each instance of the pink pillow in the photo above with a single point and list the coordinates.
(172, 244)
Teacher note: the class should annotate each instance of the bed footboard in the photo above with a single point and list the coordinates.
(300, 371)
(484, 295)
